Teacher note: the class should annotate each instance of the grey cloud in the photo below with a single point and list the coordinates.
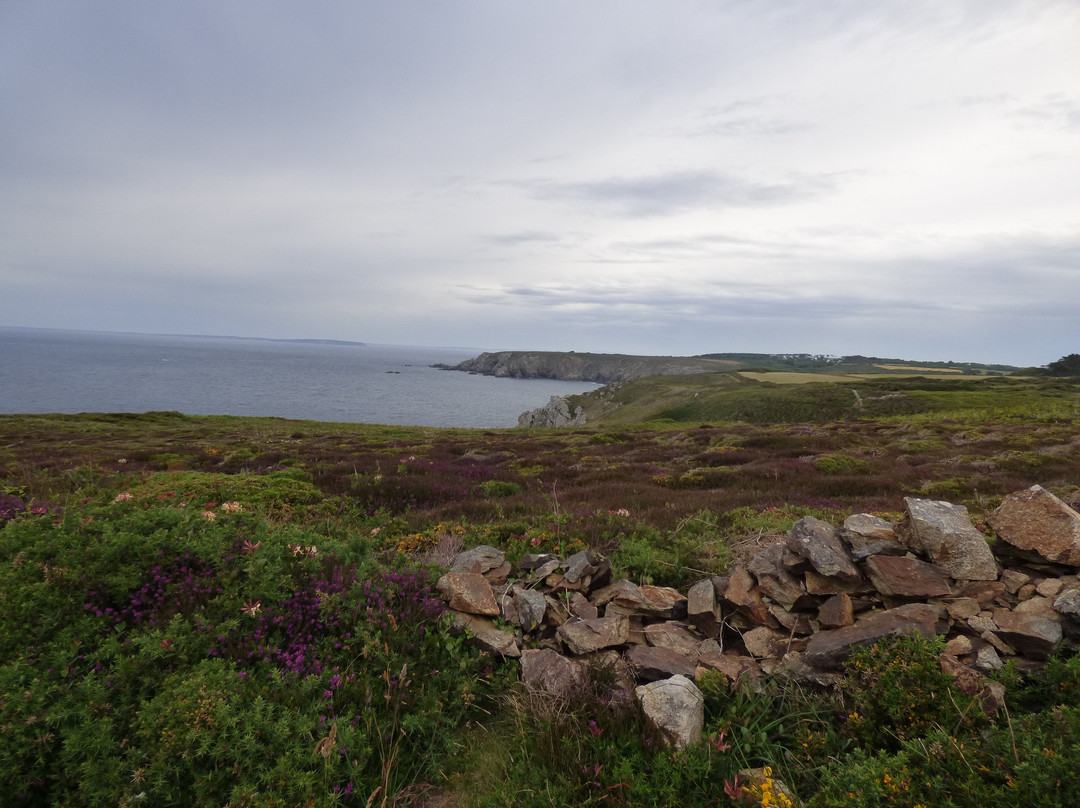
(1058, 110)
(524, 237)
(665, 194)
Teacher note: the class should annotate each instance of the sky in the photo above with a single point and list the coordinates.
(896, 178)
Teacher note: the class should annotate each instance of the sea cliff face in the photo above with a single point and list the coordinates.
(585, 367)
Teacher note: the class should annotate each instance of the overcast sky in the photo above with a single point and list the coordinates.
(895, 178)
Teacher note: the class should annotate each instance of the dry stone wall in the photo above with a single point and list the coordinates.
(797, 608)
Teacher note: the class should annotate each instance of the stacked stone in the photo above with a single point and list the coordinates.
(797, 608)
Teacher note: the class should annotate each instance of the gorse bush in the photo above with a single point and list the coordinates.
(167, 656)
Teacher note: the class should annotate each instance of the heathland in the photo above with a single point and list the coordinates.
(222, 610)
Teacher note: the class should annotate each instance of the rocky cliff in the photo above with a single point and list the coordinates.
(585, 367)
(555, 413)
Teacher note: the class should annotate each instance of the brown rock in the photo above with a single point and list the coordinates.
(985, 592)
(1049, 587)
(763, 642)
(486, 634)
(674, 636)
(740, 592)
(1012, 580)
(650, 664)
(817, 584)
(1033, 635)
(1038, 521)
(552, 673)
(836, 612)
(958, 646)
(773, 579)
(792, 622)
(991, 695)
(827, 650)
(944, 532)
(498, 575)
(658, 602)
(585, 636)
(468, 592)
(907, 577)
(733, 667)
(580, 607)
(962, 608)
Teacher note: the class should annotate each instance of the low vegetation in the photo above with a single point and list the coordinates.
(240, 611)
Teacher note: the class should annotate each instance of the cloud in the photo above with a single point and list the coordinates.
(1058, 110)
(676, 191)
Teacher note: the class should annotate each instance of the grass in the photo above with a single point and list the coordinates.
(149, 649)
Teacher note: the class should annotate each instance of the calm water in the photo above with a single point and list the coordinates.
(76, 371)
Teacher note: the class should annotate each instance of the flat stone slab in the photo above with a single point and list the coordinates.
(1033, 634)
(486, 634)
(902, 577)
(650, 664)
(861, 529)
(586, 636)
(944, 532)
(674, 636)
(481, 558)
(827, 650)
(1036, 520)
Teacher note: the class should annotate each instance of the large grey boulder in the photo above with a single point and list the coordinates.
(674, 709)
(481, 558)
(943, 531)
(1036, 520)
(555, 413)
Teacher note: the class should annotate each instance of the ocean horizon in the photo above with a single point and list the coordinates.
(62, 371)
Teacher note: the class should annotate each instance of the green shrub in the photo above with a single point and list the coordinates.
(841, 464)
(500, 488)
(898, 692)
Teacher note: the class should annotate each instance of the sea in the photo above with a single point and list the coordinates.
(59, 371)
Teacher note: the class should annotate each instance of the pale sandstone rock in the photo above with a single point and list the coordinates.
(486, 634)
(1036, 520)
(468, 592)
(675, 709)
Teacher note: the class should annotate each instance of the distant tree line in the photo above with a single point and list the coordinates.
(1066, 366)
